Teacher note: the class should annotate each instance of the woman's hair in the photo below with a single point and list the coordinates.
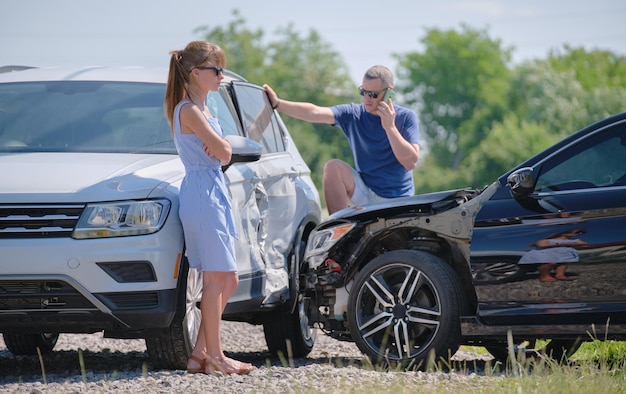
(195, 54)
(380, 72)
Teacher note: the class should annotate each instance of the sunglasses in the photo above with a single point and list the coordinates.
(218, 70)
(372, 93)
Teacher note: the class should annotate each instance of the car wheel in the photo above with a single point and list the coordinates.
(499, 272)
(27, 344)
(171, 348)
(288, 334)
(404, 305)
(557, 349)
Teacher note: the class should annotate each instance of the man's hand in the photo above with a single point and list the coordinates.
(387, 114)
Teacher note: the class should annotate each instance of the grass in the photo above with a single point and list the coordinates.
(597, 367)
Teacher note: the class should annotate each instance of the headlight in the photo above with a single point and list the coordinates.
(122, 218)
(321, 241)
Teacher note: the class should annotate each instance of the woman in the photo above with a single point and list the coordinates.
(205, 207)
(553, 253)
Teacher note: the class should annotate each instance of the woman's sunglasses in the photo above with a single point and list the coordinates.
(218, 70)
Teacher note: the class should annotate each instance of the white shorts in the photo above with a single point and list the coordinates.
(363, 194)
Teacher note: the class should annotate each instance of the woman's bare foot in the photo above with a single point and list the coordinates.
(563, 277)
(227, 366)
(196, 364)
(241, 364)
(548, 278)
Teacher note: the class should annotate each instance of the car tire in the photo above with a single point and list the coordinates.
(288, 334)
(172, 347)
(559, 350)
(404, 308)
(24, 344)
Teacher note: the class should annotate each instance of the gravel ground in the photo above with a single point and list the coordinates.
(114, 365)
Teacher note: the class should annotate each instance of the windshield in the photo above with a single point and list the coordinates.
(84, 116)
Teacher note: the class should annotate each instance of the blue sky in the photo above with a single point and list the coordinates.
(142, 32)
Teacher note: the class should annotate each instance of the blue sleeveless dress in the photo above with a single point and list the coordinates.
(205, 205)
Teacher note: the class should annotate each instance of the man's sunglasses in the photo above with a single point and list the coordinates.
(218, 70)
(372, 93)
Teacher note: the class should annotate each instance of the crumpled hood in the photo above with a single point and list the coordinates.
(428, 203)
(83, 177)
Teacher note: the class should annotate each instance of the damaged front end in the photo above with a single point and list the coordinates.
(439, 224)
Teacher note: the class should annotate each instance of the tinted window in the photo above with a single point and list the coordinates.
(594, 162)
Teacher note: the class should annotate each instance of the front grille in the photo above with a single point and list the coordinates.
(38, 220)
(50, 295)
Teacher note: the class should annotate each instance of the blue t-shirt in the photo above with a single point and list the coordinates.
(373, 157)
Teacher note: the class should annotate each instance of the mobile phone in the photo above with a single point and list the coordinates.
(389, 94)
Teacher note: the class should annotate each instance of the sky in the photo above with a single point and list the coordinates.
(48, 33)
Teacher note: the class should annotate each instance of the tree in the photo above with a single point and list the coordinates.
(592, 69)
(302, 68)
(460, 76)
(245, 50)
(479, 120)
(309, 69)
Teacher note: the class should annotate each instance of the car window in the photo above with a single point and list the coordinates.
(258, 118)
(220, 108)
(84, 116)
(598, 161)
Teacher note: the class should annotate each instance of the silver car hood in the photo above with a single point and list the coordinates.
(83, 177)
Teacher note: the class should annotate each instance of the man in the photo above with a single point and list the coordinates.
(383, 138)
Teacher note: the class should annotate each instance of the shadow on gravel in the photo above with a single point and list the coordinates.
(60, 365)
(66, 363)
(261, 359)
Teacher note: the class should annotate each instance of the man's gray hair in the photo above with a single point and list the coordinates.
(380, 72)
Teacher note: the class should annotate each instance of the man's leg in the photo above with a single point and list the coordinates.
(338, 185)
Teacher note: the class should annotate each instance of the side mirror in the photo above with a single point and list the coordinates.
(245, 150)
(521, 182)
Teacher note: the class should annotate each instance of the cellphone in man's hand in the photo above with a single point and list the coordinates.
(389, 94)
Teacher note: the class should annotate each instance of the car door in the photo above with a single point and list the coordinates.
(574, 220)
(268, 211)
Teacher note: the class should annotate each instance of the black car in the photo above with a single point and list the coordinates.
(540, 253)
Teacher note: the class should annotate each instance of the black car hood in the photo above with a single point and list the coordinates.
(423, 203)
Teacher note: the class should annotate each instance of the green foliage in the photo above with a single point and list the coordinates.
(512, 114)
(506, 145)
(244, 48)
(460, 76)
(606, 353)
(300, 68)
(592, 69)
(479, 115)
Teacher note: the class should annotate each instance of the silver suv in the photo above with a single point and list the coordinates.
(90, 238)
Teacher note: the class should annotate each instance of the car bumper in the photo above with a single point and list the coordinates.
(67, 285)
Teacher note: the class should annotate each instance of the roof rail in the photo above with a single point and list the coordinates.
(6, 69)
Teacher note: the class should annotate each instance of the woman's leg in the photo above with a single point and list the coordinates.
(217, 287)
(198, 354)
(559, 272)
(545, 272)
